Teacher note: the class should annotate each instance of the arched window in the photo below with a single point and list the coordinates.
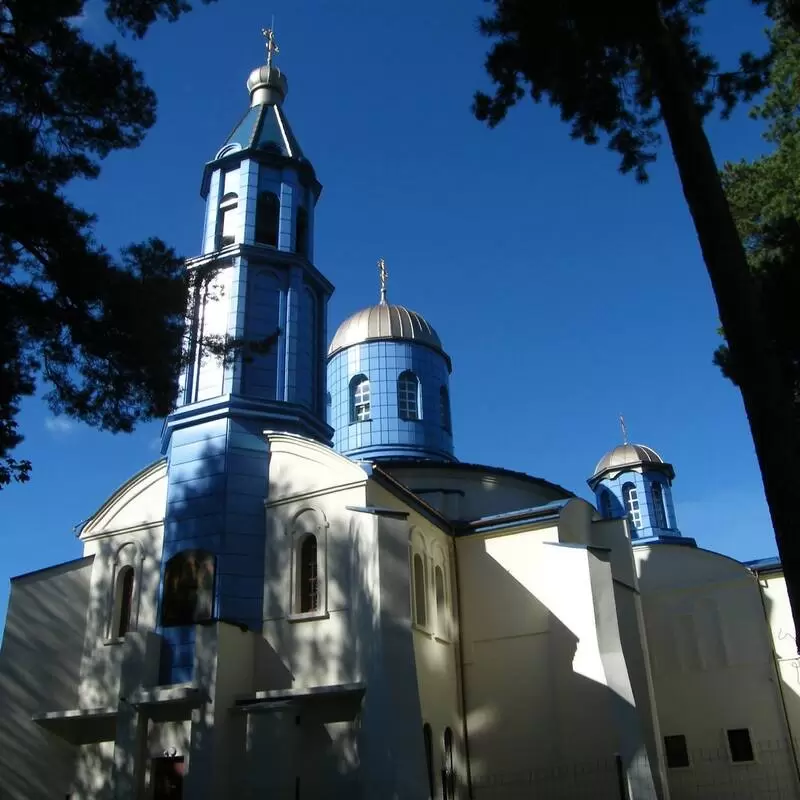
(308, 589)
(301, 232)
(359, 399)
(631, 498)
(428, 739)
(605, 503)
(228, 219)
(309, 575)
(659, 513)
(444, 408)
(420, 617)
(408, 396)
(188, 595)
(449, 769)
(441, 601)
(267, 211)
(124, 600)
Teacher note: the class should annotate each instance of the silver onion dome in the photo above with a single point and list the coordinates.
(384, 322)
(627, 455)
(267, 84)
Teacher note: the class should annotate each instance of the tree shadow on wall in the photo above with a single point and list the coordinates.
(61, 653)
(58, 656)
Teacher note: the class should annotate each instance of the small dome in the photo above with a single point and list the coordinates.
(626, 455)
(267, 84)
(384, 321)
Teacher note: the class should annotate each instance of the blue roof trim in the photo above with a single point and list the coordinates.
(685, 541)
(770, 564)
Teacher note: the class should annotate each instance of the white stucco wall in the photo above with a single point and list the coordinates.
(435, 644)
(545, 675)
(310, 490)
(713, 670)
(39, 669)
(615, 536)
(127, 531)
(784, 642)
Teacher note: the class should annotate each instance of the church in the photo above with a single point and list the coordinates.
(309, 596)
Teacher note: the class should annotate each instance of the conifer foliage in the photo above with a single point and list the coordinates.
(764, 196)
(100, 334)
(623, 70)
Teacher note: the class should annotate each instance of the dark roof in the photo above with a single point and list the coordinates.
(515, 518)
(265, 127)
(451, 466)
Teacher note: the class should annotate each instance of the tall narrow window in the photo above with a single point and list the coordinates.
(408, 396)
(428, 739)
(188, 595)
(605, 503)
(124, 601)
(441, 602)
(740, 745)
(420, 617)
(267, 211)
(359, 399)
(301, 232)
(228, 219)
(309, 575)
(444, 408)
(631, 497)
(659, 513)
(449, 769)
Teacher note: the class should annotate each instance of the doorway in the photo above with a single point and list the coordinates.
(167, 778)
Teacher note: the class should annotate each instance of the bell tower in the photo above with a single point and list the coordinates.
(256, 361)
(257, 291)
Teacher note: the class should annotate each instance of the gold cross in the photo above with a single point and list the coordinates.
(384, 274)
(272, 47)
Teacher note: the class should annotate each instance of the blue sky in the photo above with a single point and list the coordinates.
(564, 292)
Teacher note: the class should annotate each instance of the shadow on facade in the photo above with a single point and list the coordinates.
(714, 668)
(295, 744)
(539, 695)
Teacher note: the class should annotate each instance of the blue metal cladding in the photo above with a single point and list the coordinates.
(385, 434)
(643, 481)
(217, 485)
(264, 299)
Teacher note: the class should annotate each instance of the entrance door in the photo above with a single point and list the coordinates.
(167, 778)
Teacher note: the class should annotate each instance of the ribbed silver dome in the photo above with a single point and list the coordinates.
(267, 84)
(384, 321)
(627, 454)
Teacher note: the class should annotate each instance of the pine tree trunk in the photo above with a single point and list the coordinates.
(767, 399)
